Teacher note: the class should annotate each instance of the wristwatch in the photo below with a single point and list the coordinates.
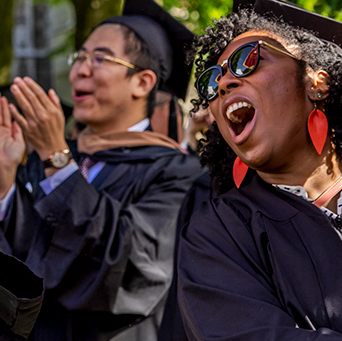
(58, 159)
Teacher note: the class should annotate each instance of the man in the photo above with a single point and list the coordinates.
(102, 241)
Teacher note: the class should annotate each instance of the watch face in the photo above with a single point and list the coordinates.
(59, 159)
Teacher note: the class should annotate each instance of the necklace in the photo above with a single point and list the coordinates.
(329, 193)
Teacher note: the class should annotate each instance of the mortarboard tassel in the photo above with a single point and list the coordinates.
(173, 131)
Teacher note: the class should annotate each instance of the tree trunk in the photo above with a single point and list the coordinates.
(90, 13)
(32, 42)
(6, 23)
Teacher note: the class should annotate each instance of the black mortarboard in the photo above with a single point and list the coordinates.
(166, 39)
(325, 28)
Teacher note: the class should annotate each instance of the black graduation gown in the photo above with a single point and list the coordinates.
(104, 249)
(258, 263)
(171, 328)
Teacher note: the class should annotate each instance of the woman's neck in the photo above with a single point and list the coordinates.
(316, 173)
(322, 180)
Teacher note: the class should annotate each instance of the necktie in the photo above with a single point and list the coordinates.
(85, 165)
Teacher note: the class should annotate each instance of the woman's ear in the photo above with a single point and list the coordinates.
(144, 82)
(318, 85)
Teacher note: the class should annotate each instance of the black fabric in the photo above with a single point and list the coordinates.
(173, 126)
(258, 263)
(104, 249)
(172, 328)
(325, 28)
(6, 334)
(166, 38)
(21, 296)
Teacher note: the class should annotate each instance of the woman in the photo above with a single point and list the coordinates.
(261, 260)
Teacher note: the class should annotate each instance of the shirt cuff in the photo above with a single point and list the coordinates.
(52, 182)
(4, 203)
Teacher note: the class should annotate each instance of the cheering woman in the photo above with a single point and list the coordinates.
(261, 259)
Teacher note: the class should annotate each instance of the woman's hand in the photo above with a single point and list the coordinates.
(12, 148)
(43, 119)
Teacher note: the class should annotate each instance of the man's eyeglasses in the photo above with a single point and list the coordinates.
(96, 59)
(241, 63)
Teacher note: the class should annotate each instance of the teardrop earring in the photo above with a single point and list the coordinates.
(318, 128)
(239, 171)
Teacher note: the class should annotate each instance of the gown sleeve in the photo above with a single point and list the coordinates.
(172, 328)
(110, 248)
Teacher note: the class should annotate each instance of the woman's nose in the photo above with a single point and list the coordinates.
(228, 82)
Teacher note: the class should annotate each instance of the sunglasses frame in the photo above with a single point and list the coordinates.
(229, 61)
(72, 59)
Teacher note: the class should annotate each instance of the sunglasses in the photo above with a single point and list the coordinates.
(241, 63)
(97, 59)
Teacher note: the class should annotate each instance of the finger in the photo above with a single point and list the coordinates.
(39, 92)
(20, 119)
(17, 133)
(22, 102)
(27, 99)
(6, 116)
(54, 98)
(1, 118)
(196, 117)
(2, 107)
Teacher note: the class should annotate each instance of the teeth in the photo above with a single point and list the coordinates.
(236, 106)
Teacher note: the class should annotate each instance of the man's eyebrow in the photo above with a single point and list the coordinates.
(100, 48)
(104, 49)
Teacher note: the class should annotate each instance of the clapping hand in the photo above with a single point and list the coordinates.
(43, 120)
(12, 147)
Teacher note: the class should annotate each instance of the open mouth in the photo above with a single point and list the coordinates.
(79, 94)
(239, 115)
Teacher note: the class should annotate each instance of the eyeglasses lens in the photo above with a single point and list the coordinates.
(78, 56)
(97, 58)
(72, 58)
(242, 62)
(207, 84)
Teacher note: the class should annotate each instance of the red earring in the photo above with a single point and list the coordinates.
(318, 129)
(239, 171)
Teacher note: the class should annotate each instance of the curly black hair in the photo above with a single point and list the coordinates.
(312, 52)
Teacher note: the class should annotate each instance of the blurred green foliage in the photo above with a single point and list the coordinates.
(197, 15)
(329, 8)
(6, 21)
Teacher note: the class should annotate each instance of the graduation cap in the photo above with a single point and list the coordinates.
(165, 37)
(325, 28)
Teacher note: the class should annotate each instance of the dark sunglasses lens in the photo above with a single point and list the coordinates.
(207, 83)
(244, 60)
